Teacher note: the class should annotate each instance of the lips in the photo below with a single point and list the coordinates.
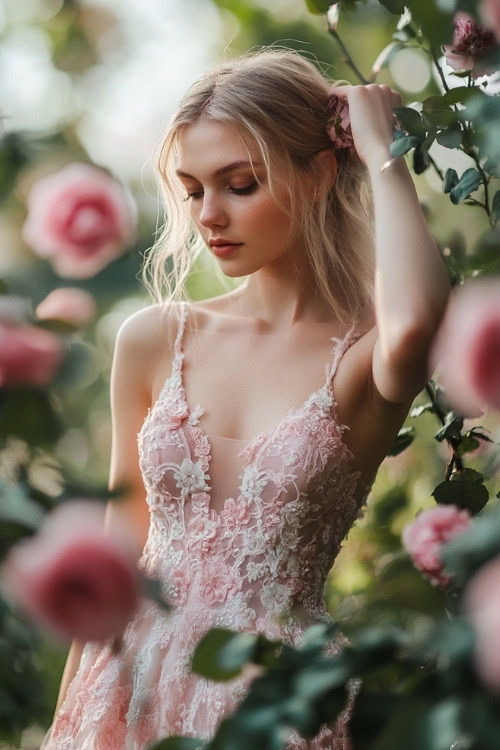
(221, 251)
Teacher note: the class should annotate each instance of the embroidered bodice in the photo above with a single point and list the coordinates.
(255, 557)
(271, 544)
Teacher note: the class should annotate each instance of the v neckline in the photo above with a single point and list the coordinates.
(179, 358)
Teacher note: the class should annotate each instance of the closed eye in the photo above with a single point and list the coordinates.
(237, 191)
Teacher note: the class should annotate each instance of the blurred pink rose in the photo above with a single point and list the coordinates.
(466, 347)
(80, 219)
(72, 305)
(482, 606)
(489, 11)
(470, 43)
(28, 355)
(75, 578)
(424, 537)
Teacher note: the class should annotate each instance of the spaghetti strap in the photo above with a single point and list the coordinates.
(341, 345)
(178, 353)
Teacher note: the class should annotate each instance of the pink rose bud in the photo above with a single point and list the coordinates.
(489, 11)
(466, 347)
(29, 356)
(424, 537)
(482, 607)
(80, 219)
(470, 44)
(74, 578)
(75, 306)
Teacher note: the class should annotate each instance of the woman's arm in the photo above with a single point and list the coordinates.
(70, 669)
(411, 282)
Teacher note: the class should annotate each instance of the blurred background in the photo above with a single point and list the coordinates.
(97, 81)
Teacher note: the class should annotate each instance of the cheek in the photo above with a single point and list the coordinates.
(265, 213)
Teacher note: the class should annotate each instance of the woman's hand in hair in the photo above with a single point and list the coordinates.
(372, 119)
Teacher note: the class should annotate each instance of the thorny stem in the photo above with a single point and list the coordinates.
(456, 460)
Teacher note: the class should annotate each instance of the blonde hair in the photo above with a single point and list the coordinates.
(280, 98)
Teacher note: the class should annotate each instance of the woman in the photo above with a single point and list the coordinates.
(257, 443)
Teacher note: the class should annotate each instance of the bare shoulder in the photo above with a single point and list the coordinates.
(143, 339)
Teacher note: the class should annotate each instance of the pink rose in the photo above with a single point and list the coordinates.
(470, 44)
(80, 219)
(424, 537)
(73, 577)
(75, 306)
(29, 356)
(482, 606)
(467, 347)
(489, 11)
(339, 123)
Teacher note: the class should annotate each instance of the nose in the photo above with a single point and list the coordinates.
(212, 211)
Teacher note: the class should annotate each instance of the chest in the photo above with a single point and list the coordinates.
(246, 385)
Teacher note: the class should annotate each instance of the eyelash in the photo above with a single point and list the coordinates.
(237, 191)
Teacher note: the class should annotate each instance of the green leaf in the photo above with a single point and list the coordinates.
(411, 120)
(394, 6)
(466, 493)
(421, 159)
(403, 145)
(495, 206)
(452, 427)
(460, 94)
(450, 180)
(30, 414)
(435, 111)
(467, 444)
(318, 7)
(468, 183)
(405, 437)
(450, 138)
(178, 743)
(206, 659)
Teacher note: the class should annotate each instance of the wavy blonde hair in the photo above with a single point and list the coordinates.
(280, 98)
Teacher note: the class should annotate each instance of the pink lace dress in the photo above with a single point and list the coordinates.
(240, 557)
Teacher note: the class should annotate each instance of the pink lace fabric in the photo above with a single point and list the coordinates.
(255, 561)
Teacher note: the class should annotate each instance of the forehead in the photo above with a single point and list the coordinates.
(207, 145)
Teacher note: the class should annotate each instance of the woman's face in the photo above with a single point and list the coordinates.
(225, 200)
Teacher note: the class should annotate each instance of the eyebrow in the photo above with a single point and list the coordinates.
(223, 170)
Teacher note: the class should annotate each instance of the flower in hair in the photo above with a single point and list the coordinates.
(339, 124)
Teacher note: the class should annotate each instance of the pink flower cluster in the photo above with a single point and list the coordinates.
(425, 536)
(466, 348)
(29, 356)
(80, 219)
(470, 44)
(74, 578)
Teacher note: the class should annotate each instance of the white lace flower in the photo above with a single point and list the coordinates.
(253, 482)
(190, 477)
(275, 597)
(255, 570)
(255, 544)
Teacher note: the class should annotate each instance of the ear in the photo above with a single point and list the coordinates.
(330, 164)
